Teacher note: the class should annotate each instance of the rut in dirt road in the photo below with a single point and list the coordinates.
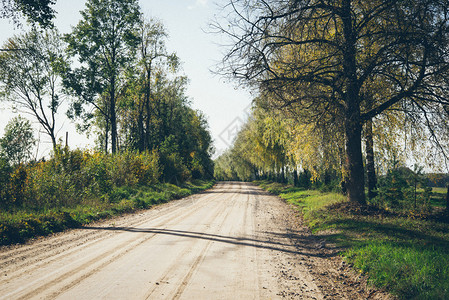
(231, 242)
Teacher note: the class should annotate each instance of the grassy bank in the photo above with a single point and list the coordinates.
(405, 255)
(20, 225)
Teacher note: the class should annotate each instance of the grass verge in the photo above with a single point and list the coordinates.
(409, 257)
(21, 225)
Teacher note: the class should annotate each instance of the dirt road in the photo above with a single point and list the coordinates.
(231, 242)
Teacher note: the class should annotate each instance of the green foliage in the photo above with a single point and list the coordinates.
(104, 41)
(438, 197)
(304, 179)
(224, 167)
(30, 77)
(18, 141)
(174, 169)
(418, 272)
(36, 11)
(178, 132)
(18, 226)
(408, 257)
(76, 177)
(5, 171)
(403, 189)
(140, 103)
(17, 185)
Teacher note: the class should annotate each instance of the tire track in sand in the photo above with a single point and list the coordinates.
(197, 261)
(105, 257)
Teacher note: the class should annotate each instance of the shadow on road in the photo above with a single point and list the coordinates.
(301, 244)
(244, 188)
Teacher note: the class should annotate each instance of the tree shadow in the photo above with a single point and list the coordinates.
(231, 191)
(358, 232)
(308, 243)
(244, 188)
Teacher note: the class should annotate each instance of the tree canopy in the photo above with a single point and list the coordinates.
(31, 78)
(36, 11)
(320, 59)
(123, 87)
(104, 41)
(17, 141)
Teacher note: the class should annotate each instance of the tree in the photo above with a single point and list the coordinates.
(37, 11)
(104, 42)
(179, 133)
(18, 141)
(319, 56)
(224, 167)
(30, 79)
(152, 56)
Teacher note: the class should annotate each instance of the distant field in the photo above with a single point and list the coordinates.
(439, 190)
(438, 197)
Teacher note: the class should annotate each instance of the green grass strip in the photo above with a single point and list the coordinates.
(19, 226)
(408, 257)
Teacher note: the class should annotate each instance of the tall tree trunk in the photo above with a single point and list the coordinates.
(106, 136)
(352, 121)
(147, 108)
(113, 130)
(113, 117)
(141, 132)
(53, 141)
(370, 167)
(295, 177)
(355, 184)
(282, 174)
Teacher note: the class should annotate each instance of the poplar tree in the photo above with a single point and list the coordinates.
(104, 41)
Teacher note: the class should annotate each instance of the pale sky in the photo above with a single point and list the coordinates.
(186, 20)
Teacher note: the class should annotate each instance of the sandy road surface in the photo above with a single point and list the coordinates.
(231, 242)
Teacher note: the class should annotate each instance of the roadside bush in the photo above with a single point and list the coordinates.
(403, 189)
(5, 173)
(17, 183)
(74, 177)
(22, 224)
(49, 186)
(96, 171)
(333, 186)
(174, 168)
(131, 168)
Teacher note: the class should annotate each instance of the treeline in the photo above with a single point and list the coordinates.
(277, 147)
(114, 77)
(348, 94)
